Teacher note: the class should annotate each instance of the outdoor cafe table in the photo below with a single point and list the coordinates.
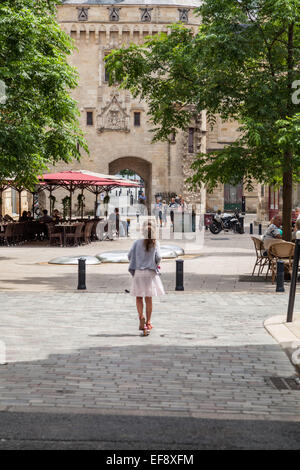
(65, 226)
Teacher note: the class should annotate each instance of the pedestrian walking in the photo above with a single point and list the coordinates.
(178, 199)
(138, 213)
(144, 258)
(158, 212)
(164, 212)
(194, 218)
(142, 201)
(182, 207)
(114, 224)
(173, 206)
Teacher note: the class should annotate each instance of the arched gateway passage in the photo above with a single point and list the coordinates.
(139, 166)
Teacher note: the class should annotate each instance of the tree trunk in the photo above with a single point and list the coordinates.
(287, 205)
(1, 201)
(20, 203)
(288, 156)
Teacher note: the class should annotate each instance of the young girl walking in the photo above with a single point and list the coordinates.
(144, 258)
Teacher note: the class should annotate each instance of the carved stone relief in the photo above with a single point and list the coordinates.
(184, 14)
(146, 14)
(113, 116)
(114, 14)
(83, 13)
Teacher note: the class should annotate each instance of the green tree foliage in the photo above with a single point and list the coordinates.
(38, 119)
(127, 173)
(241, 65)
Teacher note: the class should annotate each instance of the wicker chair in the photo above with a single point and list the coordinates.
(94, 229)
(87, 232)
(54, 235)
(262, 260)
(8, 236)
(75, 236)
(283, 251)
(19, 233)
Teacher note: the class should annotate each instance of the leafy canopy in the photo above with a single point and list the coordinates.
(38, 119)
(240, 65)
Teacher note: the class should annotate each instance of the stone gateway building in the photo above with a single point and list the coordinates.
(116, 125)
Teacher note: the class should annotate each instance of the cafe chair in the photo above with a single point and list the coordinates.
(262, 259)
(282, 251)
(75, 237)
(54, 235)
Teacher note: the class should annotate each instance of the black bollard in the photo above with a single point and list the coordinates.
(259, 229)
(179, 274)
(241, 220)
(243, 205)
(293, 280)
(81, 274)
(251, 229)
(280, 277)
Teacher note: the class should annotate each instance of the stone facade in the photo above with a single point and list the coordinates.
(115, 140)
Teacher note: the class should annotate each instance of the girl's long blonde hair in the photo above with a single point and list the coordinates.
(149, 235)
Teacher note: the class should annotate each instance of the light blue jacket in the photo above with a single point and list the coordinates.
(141, 259)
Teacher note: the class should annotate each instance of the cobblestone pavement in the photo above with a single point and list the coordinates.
(208, 356)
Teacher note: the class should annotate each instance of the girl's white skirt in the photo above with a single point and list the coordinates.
(146, 283)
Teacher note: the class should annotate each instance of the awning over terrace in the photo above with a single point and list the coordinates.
(71, 180)
(83, 179)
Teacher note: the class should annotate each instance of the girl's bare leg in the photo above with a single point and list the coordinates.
(139, 306)
(148, 308)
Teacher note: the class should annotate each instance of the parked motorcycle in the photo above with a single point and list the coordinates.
(226, 222)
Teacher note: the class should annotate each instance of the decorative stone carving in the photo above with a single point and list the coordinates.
(146, 14)
(83, 13)
(184, 14)
(113, 117)
(114, 13)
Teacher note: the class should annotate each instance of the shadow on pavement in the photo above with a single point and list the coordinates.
(157, 390)
(115, 432)
(108, 283)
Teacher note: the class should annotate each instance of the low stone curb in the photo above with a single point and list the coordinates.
(290, 343)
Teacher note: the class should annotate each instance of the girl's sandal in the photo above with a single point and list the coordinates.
(149, 326)
(142, 323)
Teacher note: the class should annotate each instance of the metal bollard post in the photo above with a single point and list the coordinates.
(81, 274)
(259, 229)
(179, 274)
(294, 279)
(280, 277)
(241, 220)
(251, 229)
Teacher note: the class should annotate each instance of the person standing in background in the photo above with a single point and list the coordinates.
(158, 211)
(172, 206)
(164, 213)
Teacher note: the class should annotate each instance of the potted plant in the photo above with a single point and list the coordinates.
(66, 201)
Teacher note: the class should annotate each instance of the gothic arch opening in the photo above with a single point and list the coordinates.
(140, 167)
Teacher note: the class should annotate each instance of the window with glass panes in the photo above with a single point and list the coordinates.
(89, 118)
(137, 119)
(191, 140)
